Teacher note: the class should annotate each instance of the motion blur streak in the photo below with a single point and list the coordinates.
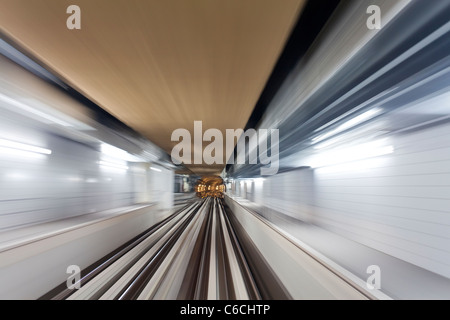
(359, 208)
(364, 148)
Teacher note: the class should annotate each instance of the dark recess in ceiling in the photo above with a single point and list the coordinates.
(309, 24)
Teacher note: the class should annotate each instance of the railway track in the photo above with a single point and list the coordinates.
(192, 254)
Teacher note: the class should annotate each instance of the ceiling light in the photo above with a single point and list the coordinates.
(118, 153)
(351, 154)
(349, 124)
(23, 147)
(112, 165)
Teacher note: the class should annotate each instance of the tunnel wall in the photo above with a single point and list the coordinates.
(33, 268)
(398, 203)
(160, 187)
(68, 182)
(290, 193)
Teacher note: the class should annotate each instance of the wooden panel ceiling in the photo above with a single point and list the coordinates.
(158, 65)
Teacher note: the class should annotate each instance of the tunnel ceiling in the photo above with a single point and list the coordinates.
(159, 65)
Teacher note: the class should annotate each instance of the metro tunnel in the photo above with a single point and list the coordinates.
(224, 150)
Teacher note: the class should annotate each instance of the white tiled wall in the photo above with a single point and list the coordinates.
(398, 203)
(69, 181)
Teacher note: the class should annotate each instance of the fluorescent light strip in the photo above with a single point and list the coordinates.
(112, 165)
(350, 123)
(118, 153)
(367, 132)
(351, 154)
(113, 151)
(16, 153)
(23, 147)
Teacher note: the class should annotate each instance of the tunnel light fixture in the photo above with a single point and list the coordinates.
(356, 153)
(369, 132)
(349, 124)
(117, 153)
(155, 169)
(112, 165)
(258, 181)
(23, 147)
